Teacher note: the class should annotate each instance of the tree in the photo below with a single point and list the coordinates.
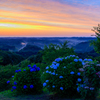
(96, 43)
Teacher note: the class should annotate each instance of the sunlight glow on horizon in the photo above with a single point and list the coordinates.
(47, 18)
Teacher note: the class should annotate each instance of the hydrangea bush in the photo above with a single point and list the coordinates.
(27, 80)
(91, 80)
(62, 75)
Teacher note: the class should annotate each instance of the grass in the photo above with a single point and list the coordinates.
(8, 95)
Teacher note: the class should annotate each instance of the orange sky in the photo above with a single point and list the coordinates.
(44, 18)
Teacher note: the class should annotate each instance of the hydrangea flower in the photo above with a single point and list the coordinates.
(47, 71)
(24, 86)
(38, 68)
(47, 81)
(56, 74)
(24, 69)
(13, 76)
(57, 64)
(19, 70)
(14, 87)
(91, 88)
(16, 71)
(61, 88)
(31, 86)
(76, 60)
(86, 87)
(34, 66)
(54, 62)
(53, 86)
(54, 67)
(90, 60)
(15, 83)
(71, 72)
(78, 89)
(80, 60)
(58, 59)
(32, 70)
(44, 84)
(79, 80)
(60, 76)
(78, 73)
(29, 65)
(86, 59)
(11, 90)
(8, 82)
(53, 73)
(47, 67)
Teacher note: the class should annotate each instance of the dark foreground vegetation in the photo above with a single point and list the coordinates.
(56, 72)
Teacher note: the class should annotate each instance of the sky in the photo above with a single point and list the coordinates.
(48, 18)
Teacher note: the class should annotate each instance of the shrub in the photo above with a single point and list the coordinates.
(91, 80)
(62, 75)
(6, 72)
(27, 80)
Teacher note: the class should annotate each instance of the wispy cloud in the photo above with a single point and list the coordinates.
(68, 15)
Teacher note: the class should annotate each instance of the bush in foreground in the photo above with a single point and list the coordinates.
(27, 80)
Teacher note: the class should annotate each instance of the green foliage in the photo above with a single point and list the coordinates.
(91, 83)
(9, 58)
(6, 72)
(61, 77)
(36, 58)
(96, 43)
(54, 51)
(27, 80)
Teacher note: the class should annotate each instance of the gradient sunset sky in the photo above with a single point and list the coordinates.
(48, 18)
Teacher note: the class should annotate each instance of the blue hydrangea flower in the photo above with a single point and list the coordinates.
(19, 70)
(16, 71)
(58, 59)
(15, 83)
(47, 81)
(60, 76)
(34, 66)
(61, 88)
(57, 64)
(90, 60)
(14, 87)
(32, 70)
(31, 86)
(13, 76)
(47, 67)
(79, 80)
(78, 89)
(73, 55)
(53, 62)
(24, 69)
(54, 67)
(83, 63)
(82, 85)
(53, 73)
(24, 86)
(53, 86)
(47, 71)
(78, 73)
(76, 60)
(44, 84)
(38, 68)
(91, 88)
(11, 90)
(86, 59)
(80, 60)
(8, 82)
(29, 65)
(72, 72)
